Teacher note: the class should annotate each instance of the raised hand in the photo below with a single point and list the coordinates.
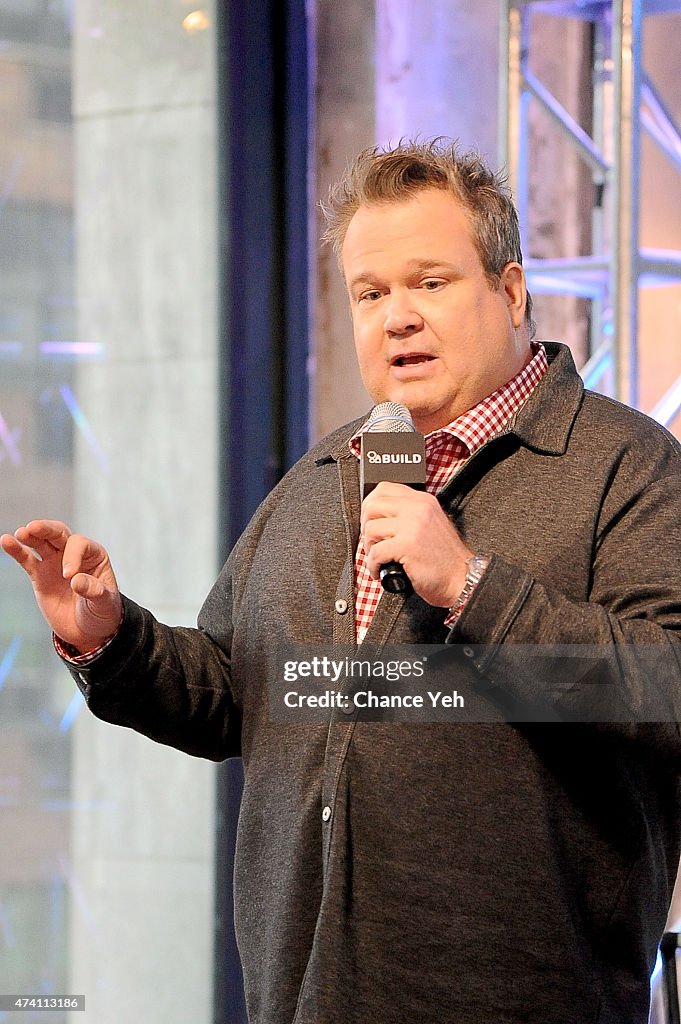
(72, 580)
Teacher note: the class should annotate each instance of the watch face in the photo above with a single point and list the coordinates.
(476, 566)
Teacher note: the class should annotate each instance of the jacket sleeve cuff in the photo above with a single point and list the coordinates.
(493, 605)
(106, 667)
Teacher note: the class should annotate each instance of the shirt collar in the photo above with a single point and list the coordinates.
(486, 419)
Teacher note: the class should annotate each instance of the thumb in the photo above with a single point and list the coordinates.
(88, 587)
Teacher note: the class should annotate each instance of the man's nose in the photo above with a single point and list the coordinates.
(401, 315)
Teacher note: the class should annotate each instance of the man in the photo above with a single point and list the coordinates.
(428, 872)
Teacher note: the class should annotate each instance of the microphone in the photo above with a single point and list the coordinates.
(392, 449)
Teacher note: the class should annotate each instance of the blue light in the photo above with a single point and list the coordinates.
(72, 349)
(81, 422)
(6, 928)
(72, 711)
(9, 440)
(8, 660)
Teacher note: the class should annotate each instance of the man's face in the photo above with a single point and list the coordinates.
(429, 330)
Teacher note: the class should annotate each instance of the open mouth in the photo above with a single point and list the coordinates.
(411, 359)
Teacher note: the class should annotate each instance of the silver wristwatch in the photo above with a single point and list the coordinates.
(475, 570)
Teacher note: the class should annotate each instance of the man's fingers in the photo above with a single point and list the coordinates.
(382, 552)
(46, 546)
(44, 531)
(81, 553)
(21, 554)
(388, 500)
(378, 529)
(47, 537)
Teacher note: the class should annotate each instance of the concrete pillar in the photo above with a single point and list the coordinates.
(436, 71)
(344, 124)
(141, 866)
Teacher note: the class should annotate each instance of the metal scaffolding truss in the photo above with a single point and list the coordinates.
(617, 267)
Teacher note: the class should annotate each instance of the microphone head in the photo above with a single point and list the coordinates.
(390, 418)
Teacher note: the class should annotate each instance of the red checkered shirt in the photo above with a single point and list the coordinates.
(447, 449)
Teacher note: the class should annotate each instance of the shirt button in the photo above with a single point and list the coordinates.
(341, 606)
(349, 708)
(326, 813)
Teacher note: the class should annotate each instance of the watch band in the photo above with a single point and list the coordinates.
(476, 566)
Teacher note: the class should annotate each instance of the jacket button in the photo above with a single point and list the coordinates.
(341, 606)
(469, 652)
(326, 813)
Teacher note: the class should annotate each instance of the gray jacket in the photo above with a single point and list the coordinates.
(484, 871)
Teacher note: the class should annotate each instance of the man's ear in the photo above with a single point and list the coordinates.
(512, 286)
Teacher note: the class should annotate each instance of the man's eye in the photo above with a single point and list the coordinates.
(431, 284)
(370, 296)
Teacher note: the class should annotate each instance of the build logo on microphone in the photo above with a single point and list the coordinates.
(413, 458)
(396, 458)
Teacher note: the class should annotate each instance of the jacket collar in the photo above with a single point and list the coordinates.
(545, 420)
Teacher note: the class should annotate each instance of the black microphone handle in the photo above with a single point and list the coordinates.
(394, 578)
